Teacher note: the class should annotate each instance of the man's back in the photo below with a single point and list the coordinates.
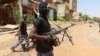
(23, 29)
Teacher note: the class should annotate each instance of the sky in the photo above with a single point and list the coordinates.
(90, 7)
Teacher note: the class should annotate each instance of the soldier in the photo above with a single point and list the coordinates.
(22, 34)
(42, 26)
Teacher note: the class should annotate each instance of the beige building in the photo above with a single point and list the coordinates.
(77, 16)
(62, 7)
(71, 5)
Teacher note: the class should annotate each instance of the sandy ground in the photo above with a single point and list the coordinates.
(86, 42)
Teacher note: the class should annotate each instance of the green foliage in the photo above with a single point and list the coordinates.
(60, 18)
(16, 14)
(30, 18)
(68, 18)
(86, 17)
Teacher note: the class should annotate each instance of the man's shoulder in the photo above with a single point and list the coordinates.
(39, 19)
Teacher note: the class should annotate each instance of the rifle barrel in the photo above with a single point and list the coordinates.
(59, 31)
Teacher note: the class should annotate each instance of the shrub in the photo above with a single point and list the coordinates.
(86, 17)
(30, 18)
(60, 18)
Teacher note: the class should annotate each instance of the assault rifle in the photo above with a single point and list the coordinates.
(53, 33)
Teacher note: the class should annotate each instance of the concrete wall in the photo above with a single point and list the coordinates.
(76, 15)
(61, 9)
(73, 5)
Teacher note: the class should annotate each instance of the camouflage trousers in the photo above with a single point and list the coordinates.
(20, 40)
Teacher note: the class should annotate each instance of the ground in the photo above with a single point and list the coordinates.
(86, 42)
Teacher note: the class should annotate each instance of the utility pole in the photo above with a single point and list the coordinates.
(84, 18)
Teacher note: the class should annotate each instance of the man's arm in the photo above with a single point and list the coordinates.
(33, 35)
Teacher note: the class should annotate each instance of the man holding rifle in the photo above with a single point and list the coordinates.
(42, 26)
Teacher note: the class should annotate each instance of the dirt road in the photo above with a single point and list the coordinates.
(86, 43)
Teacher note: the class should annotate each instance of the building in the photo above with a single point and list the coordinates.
(57, 7)
(64, 7)
(70, 5)
(8, 10)
(5, 11)
(73, 5)
(77, 16)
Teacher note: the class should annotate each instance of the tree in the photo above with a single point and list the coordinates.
(96, 19)
(86, 17)
(17, 11)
